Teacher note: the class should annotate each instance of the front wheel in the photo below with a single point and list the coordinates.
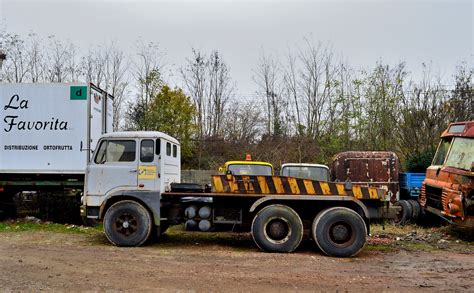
(339, 231)
(277, 228)
(127, 223)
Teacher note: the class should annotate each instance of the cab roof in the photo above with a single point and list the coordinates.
(462, 129)
(304, 165)
(141, 134)
(248, 163)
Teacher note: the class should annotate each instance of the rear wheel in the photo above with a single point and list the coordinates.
(277, 228)
(416, 209)
(405, 214)
(339, 231)
(127, 223)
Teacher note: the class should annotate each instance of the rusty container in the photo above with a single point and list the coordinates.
(368, 168)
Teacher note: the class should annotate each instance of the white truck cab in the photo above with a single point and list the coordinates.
(132, 161)
(307, 171)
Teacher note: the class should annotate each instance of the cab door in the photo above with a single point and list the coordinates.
(147, 166)
(114, 167)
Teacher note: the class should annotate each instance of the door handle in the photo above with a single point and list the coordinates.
(133, 170)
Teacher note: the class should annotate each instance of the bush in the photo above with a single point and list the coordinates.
(418, 162)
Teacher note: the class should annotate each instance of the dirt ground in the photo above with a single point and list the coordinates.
(54, 261)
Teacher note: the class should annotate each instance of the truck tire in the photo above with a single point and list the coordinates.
(127, 223)
(416, 209)
(277, 228)
(339, 231)
(405, 214)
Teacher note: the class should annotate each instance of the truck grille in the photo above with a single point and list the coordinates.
(433, 197)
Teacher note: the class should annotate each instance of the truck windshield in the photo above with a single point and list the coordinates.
(440, 155)
(306, 172)
(238, 169)
(462, 153)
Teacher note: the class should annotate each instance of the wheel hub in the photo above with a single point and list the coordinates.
(126, 224)
(341, 233)
(277, 230)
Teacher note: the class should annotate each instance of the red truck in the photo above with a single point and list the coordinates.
(448, 190)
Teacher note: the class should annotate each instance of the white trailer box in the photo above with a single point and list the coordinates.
(51, 128)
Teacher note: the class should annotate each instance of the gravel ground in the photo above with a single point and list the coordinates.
(54, 261)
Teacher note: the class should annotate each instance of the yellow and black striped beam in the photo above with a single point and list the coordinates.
(290, 186)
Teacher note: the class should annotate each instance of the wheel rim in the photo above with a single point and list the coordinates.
(126, 224)
(341, 234)
(277, 230)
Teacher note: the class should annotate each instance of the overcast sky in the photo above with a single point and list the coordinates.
(362, 32)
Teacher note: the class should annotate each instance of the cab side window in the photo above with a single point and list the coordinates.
(116, 151)
(147, 151)
(168, 149)
(175, 151)
(100, 155)
(121, 151)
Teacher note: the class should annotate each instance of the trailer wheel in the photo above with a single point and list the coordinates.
(277, 228)
(339, 231)
(127, 223)
(405, 214)
(416, 209)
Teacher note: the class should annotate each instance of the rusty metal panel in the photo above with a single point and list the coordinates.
(368, 168)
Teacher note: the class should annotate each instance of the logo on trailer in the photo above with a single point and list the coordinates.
(78, 93)
(97, 98)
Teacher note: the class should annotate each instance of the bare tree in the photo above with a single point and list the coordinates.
(422, 114)
(243, 123)
(147, 72)
(315, 84)
(93, 66)
(117, 81)
(35, 53)
(348, 104)
(194, 75)
(15, 68)
(462, 98)
(269, 84)
(61, 56)
(220, 91)
(290, 81)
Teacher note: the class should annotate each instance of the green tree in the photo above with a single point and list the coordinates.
(383, 92)
(173, 113)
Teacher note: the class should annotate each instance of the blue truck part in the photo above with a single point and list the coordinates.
(410, 184)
